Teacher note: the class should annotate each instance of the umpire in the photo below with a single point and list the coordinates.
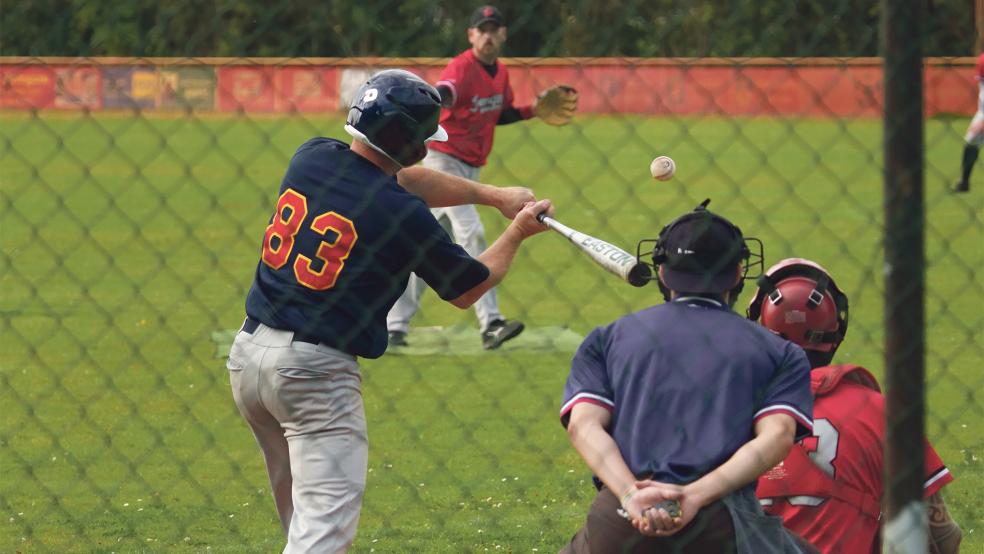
(686, 401)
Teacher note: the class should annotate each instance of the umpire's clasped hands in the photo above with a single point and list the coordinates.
(640, 504)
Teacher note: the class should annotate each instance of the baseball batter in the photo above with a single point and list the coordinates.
(686, 401)
(349, 226)
(829, 487)
(975, 133)
(477, 96)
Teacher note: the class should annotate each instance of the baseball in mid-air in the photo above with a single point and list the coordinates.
(663, 168)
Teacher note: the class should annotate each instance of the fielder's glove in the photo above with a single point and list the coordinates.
(556, 105)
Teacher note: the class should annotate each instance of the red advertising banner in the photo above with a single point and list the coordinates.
(246, 88)
(26, 87)
(768, 90)
(950, 89)
(817, 87)
(307, 89)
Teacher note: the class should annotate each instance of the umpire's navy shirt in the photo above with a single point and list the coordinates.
(685, 382)
(391, 233)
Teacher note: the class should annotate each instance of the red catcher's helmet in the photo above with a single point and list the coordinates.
(799, 301)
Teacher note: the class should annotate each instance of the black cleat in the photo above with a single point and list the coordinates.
(499, 331)
(962, 186)
(398, 338)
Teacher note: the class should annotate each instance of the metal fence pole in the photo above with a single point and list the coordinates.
(906, 521)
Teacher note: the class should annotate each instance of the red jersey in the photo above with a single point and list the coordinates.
(477, 100)
(828, 490)
(980, 68)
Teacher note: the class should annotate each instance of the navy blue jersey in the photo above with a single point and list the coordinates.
(341, 246)
(685, 382)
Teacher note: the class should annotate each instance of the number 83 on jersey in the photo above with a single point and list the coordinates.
(281, 237)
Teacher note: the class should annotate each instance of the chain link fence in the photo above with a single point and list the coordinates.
(135, 193)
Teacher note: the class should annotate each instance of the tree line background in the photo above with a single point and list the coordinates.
(398, 28)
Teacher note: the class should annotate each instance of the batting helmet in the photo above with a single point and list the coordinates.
(396, 113)
(699, 252)
(798, 300)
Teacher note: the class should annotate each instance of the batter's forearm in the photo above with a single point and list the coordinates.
(439, 189)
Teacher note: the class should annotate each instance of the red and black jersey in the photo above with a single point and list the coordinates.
(828, 490)
(477, 100)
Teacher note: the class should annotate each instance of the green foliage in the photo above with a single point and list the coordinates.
(647, 28)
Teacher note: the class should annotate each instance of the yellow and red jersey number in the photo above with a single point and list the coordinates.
(333, 254)
(291, 211)
(278, 241)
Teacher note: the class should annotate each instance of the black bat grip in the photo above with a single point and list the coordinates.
(640, 275)
(540, 216)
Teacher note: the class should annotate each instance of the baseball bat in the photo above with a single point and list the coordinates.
(612, 258)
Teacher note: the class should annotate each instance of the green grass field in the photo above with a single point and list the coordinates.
(127, 241)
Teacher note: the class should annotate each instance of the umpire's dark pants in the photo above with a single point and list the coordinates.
(606, 532)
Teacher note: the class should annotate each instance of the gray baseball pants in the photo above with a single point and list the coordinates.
(303, 403)
(468, 232)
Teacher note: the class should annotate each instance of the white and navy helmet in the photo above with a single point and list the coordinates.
(396, 113)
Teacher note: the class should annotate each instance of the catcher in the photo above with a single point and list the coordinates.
(828, 489)
(476, 96)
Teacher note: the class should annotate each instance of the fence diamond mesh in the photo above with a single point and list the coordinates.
(135, 194)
